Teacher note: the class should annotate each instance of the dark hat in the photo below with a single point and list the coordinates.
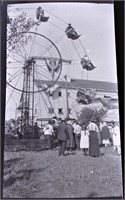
(55, 117)
(93, 120)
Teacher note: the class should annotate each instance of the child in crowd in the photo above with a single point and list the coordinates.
(84, 141)
(116, 138)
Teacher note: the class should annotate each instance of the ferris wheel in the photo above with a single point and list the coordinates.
(34, 56)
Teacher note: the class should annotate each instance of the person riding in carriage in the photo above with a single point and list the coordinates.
(87, 64)
(71, 33)
(40, 15)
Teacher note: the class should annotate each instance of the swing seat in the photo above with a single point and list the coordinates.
(83, 101)
(88, 66)
(43, 18)
(71, 33)
(75, 37)
(86, 97)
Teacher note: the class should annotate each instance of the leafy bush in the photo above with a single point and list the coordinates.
(89, 114)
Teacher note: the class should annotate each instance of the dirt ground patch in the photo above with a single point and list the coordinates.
(42, 174)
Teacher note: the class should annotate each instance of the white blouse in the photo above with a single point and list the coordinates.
(92, 127)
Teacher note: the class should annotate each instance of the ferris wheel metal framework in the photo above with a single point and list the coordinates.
(30, 74)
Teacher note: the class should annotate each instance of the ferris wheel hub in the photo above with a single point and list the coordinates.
(28, 62)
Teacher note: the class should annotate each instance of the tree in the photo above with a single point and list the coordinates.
(16, 30)
(88, 114)
(94, 111)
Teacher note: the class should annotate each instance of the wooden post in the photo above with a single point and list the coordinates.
(67, 102)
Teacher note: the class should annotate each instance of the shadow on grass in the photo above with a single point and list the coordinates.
(9, 162)
(102, 154)
(70, 154)
(20, 175)
(11, 180)
(92, 194)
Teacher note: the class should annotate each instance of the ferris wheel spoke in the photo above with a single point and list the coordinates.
(17, 60)
(13, 89)
(12, 96)
(43, 75)
(45, 52)
(42, 47)
(22, 54)
(19, 55)
(42, 68)
(39, 73)
(16, 74)
(33, 44)
(51, 46)
(12, 62)
(47, 49)
(25, 50)
(9, 88)
(13, 67)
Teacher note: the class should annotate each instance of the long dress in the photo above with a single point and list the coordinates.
(105, 135)
(94, 149)
(84, 140)
(116, 136)
(48, 133)
(116, 139)
(70, 141)
(93, 144)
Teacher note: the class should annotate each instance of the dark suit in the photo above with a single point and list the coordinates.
(62, 137)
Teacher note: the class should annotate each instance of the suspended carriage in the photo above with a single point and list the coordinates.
(86, 96)
(87, 64)
(71, 33)
(40, 15)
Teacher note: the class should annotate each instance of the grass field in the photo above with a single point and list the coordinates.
(42, 174)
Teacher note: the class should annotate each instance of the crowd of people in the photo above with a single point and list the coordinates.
(71, 136)
(88, 137)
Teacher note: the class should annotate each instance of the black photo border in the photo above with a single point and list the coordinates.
(119, 35)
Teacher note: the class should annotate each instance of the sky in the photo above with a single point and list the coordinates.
(95, 23)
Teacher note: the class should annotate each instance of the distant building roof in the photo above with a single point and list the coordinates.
(99, 85)
(77, 84)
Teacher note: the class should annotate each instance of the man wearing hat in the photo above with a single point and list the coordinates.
(62, 137)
